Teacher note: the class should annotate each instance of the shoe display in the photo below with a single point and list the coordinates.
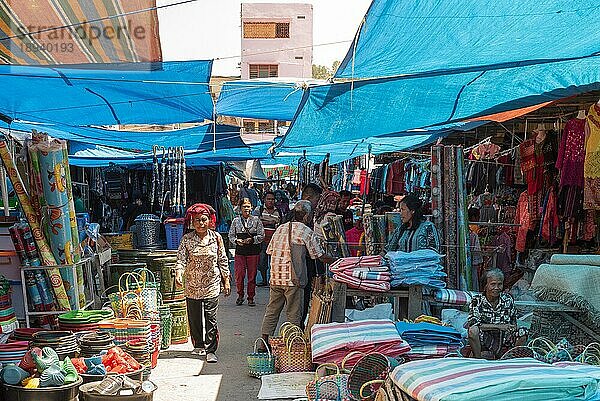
(211, 358)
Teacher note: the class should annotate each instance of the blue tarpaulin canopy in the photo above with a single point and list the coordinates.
(412, 37)
(107, 94)
(348, 111)
(273, 99)
(407, 141)
(449, 62)
(85, 155)
(196, 138)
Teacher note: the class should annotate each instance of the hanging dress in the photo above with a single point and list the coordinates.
(591, 170)
(571, 157)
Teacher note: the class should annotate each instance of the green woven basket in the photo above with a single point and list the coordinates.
(166, 325)
(260, 363)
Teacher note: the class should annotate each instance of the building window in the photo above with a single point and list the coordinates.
(299, 58)
(301, 17)
(282, 30)
(249, 127)
(266, 30)
(264, 71)
(266, 127)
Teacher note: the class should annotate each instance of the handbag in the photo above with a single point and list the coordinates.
(260, 363)
(149, 291)
(130, 300)
(295, 358)
(368, 374)
(248, 249)
(278, 344)
(329, 387)
(285, 331)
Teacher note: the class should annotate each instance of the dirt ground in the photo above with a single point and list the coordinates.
(181, 376)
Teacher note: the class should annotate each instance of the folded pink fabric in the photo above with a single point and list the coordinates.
(331, 342)
(363, 275)
(368, 285)
(356, 261)
(431, 351)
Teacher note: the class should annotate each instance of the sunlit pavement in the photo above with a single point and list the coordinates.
(181, 376)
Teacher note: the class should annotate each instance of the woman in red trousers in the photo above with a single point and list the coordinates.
(247, 233)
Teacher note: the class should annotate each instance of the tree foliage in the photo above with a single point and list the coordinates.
(324, 72)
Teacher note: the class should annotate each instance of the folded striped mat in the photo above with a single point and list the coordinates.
(333, 341)
(454, 297)
(465, 379)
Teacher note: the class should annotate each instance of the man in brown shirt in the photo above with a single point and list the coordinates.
(271, 218)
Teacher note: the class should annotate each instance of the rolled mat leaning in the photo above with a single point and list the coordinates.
(74, 228)
(369, 234)
(54, 172)
(464, 252)
(33, 219)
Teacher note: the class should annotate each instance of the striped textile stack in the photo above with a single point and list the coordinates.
(454, 297)
(428, 340)
(363, 272)
(332, 342)
(8, 319)
(465, 379)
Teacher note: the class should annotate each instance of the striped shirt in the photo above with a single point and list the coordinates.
(280, 251)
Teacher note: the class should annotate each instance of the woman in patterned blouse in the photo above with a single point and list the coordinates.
(415, 232)
(202, 260)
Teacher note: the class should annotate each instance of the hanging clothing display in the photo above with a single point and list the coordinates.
(591, 193)
(527, 149)
(308, 172)
(364, 183)
(395, 178)
(375, 233)
(523, 219)
(571, 154)
(450, 213)
(401, 177)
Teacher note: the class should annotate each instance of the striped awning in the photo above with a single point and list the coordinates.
(28, 34)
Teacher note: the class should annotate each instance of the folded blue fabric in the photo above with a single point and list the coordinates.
(420, 267)
(429, 274)
(424, 334)
(422, 255)
(425, 326)
(409, 327)
(433, 283)
(408, 268)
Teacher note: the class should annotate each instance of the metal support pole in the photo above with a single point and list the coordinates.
(4, 188)
(25, 300)
(364, 197)
(75, 281)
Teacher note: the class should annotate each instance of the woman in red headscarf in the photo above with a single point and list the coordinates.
(202, 261)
